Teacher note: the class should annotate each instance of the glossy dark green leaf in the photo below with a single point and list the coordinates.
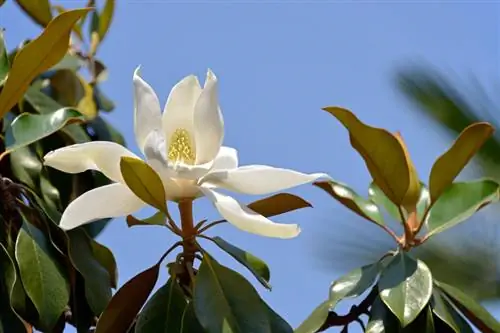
(126, 303)
(424, 323)
(107, 260)
(42, 277)
(26, 166)
(156, 219)
(316, 319)
(10, 322)
(458, 202)
(405, 286)
(81, 313)
(97, 279)
(381, 319)
(163, 312)
(476, 314)
(354, 283)
(190, 323)
(346, 196)
(278, 324)
(224, 300)
(441, 309)
(4, 60)
(254, 264)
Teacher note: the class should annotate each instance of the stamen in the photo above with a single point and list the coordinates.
(180, 149)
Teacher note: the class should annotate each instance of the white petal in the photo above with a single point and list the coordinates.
(147, 112)
(179, 108)
(103, 156)
(246, 219)
(260, 179)
(113, 200)
(226, 159)
(208, 122)
(190, 172)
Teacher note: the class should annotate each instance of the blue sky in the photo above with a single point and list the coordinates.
(278, 63)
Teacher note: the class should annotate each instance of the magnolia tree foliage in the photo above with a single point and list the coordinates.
(65, 172)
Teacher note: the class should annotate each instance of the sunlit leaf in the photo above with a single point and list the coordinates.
(458, 202)
(126, 303)
(405, 287)
(278, 204)
(223, 300)
(106, 17)
(4, 60)
(38, 10)
(448, 166)
(144, 182)
(256, 265)
(354, 283)
(384, 155)
(37, 56)
(42, 278)
(345, 195)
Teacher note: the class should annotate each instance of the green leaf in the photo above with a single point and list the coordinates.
(104, 131)
(350, 199)
(476, 314)
(381, 319)
(423, 202)
(37, 56)
(316, 319)
(107, 260)
(450, 164)
(354, 283)
(69, 61)
(144, 182)
(157, 219)
(38, 10)
(42, 277)
(103, 103)
(405, 286)
(459, 202)
(163, 312)
(9, 319)
(97, 279)
(223, 301)
(4, 59)
(126, 303)
(190, 323)
(381, 200)
(106, 18)
(28, 128)
(254, 264)
(278, 324)
(278, 204)
(443, 310)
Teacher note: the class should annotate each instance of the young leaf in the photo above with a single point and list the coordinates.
(163, 312)
(316, 319)
(405, 287)
(126, 303)
(106, 18)
(28, 128)
(41, 275)
(255, 265)
(448, 166)
(38, 10)
(224, 300)
(37, 56)
(384, 155)
(476, 314)
(458, 202)
(278, 204)
(4, 59)
(354, 283)
(97, 280)
(350, 199)
(144, 182)
(157, 219)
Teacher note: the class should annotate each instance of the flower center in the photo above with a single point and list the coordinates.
(181, 148)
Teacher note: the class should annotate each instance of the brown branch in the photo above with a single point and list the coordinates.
(356, 311)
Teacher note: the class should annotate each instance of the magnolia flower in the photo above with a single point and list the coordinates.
(184, 146)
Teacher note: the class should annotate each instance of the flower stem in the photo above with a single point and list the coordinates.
(188, 231)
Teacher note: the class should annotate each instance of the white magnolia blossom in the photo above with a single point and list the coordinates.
(184, 146)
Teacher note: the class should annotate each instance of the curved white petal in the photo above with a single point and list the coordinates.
(260, 179)
(103, 156)
(179, 109)
(191, 172)
(246, 219)
(113, 200)
(227, 158)
(147, 112)
(208, 122)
